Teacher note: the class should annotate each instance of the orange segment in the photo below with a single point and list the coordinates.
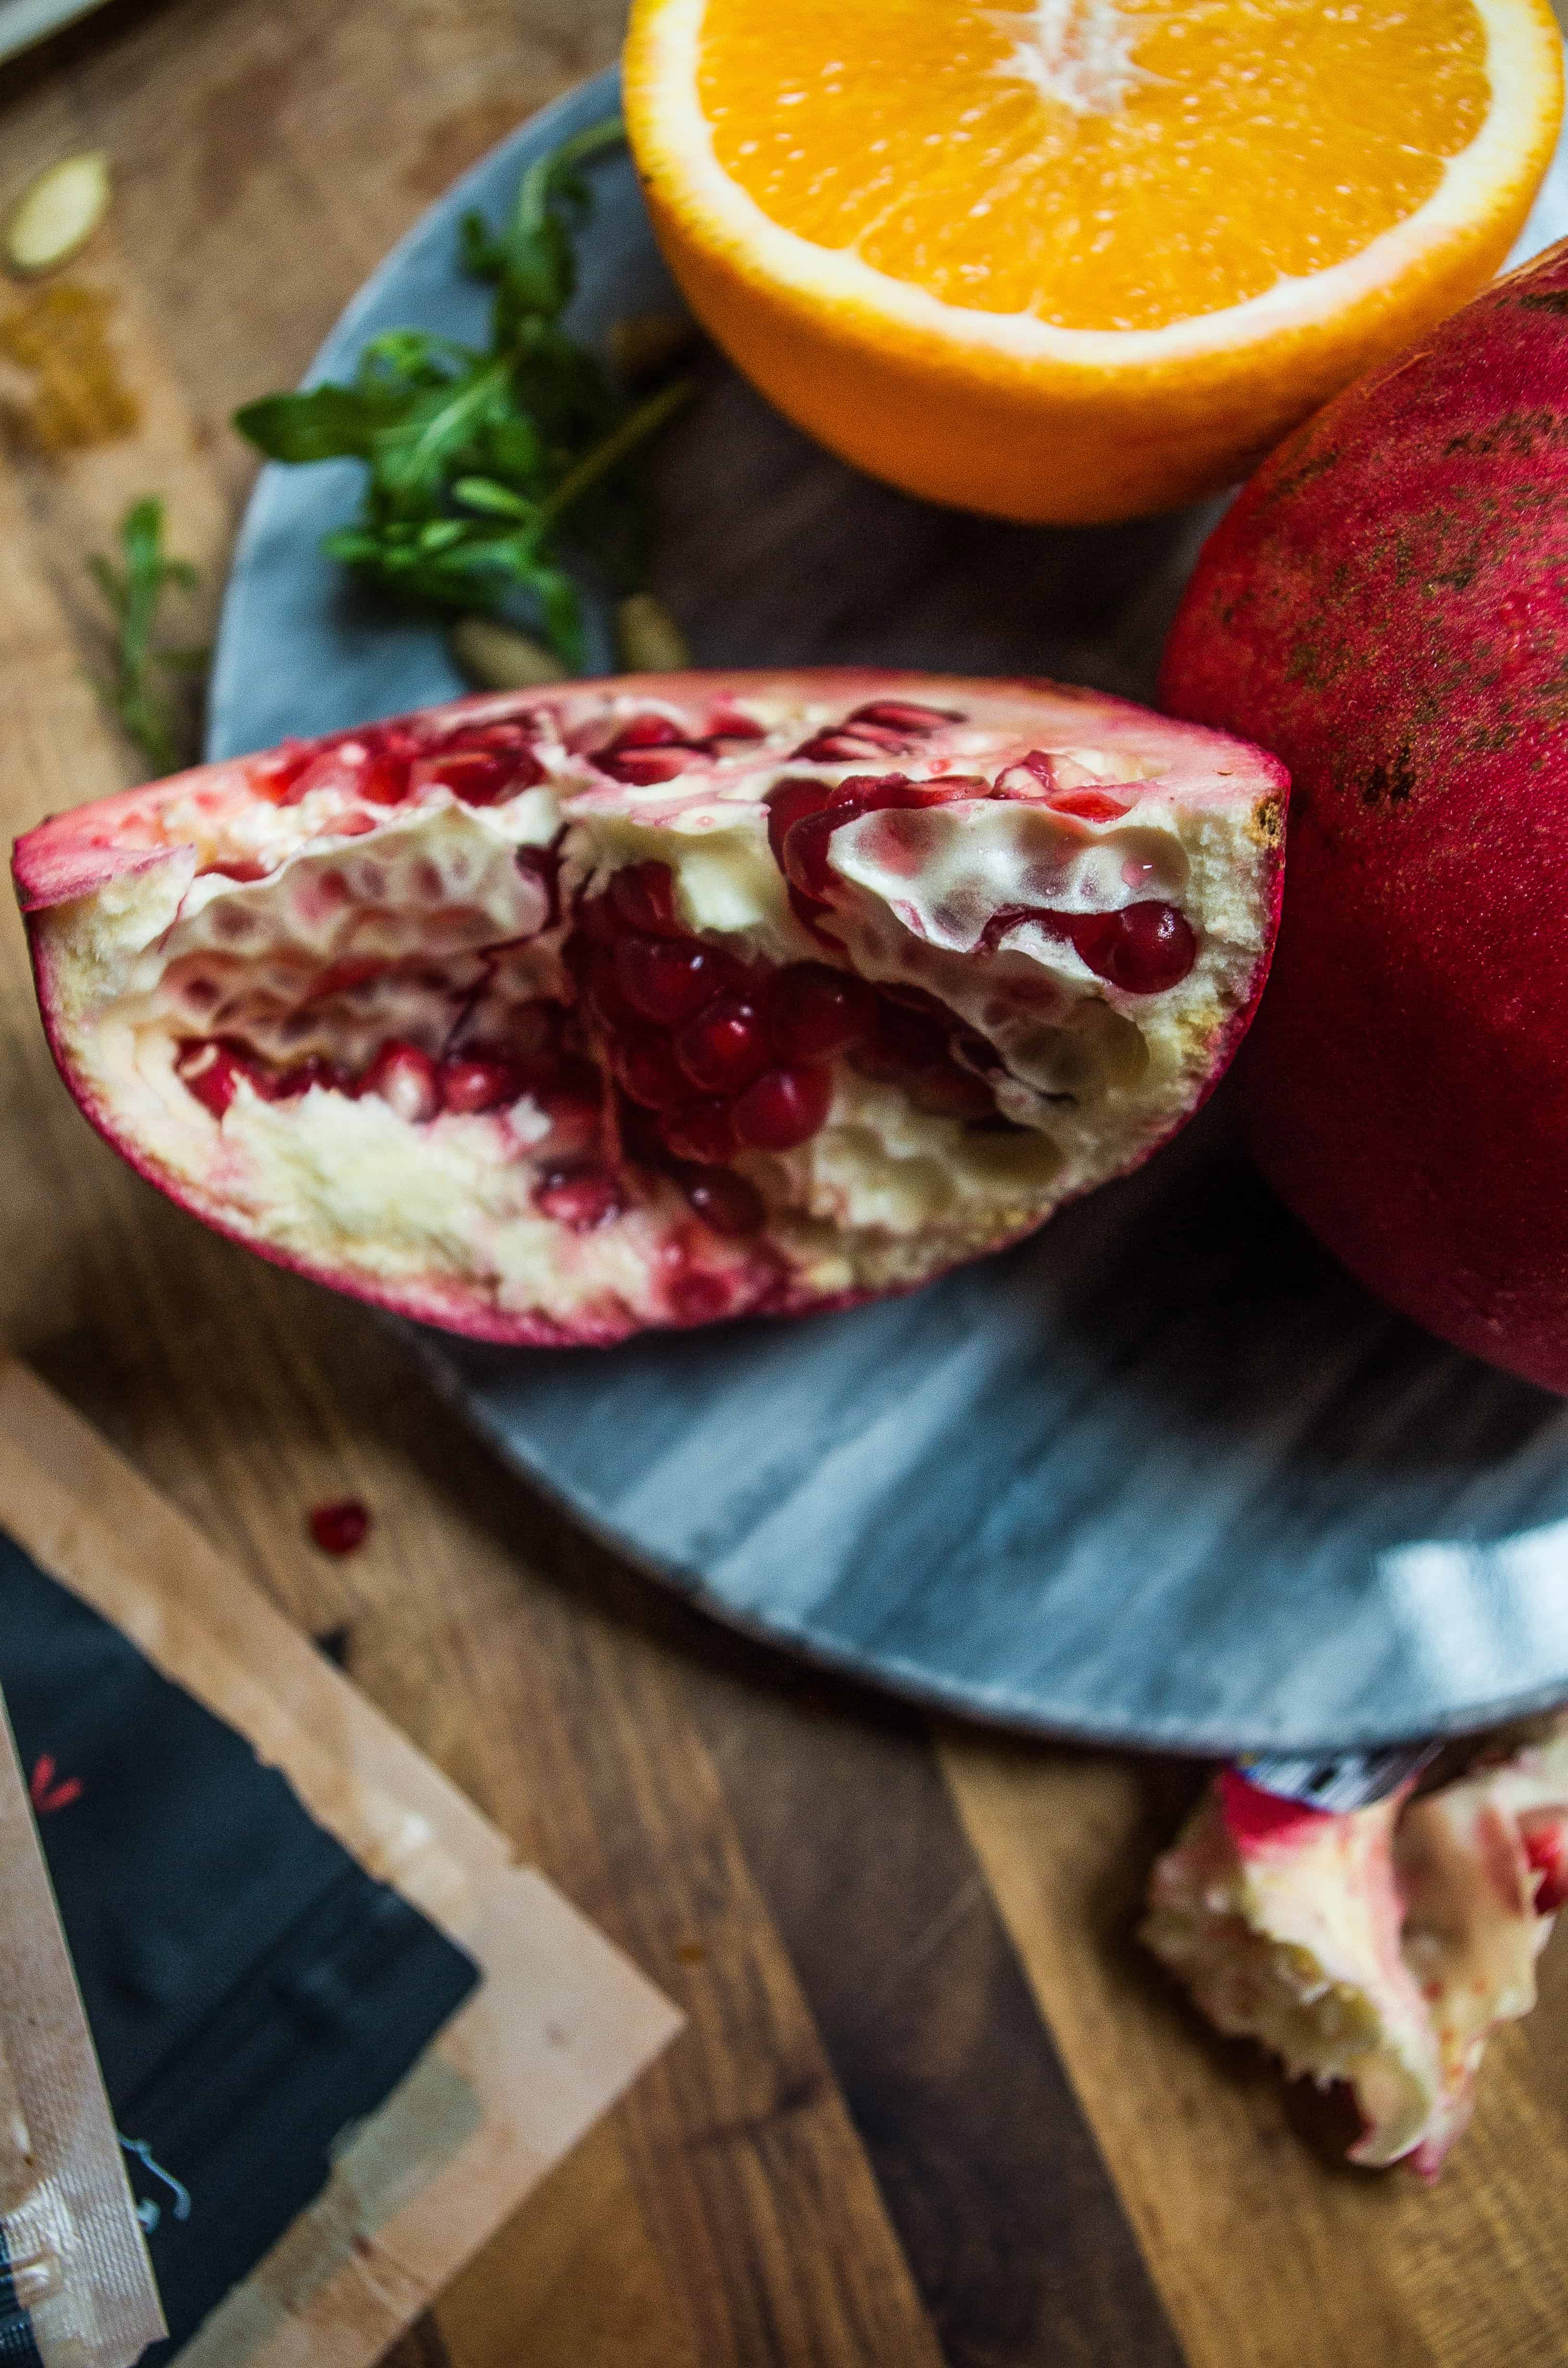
(1081, 259)
(1007, 160)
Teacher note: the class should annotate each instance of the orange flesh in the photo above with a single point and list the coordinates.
(1212, 149)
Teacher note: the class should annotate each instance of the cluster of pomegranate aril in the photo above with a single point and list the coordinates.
(726, 1055)
(480, 763)
(466, 1082)
(883, 727)
(1142, 949)
(651, 747)
(723, 1056)
(803, 814)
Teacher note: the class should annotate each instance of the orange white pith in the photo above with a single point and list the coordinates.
(1080, 259)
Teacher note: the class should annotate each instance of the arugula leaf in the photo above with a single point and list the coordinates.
(133, 592)
(478, 462)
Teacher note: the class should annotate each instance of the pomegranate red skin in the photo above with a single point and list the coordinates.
(1386, 609)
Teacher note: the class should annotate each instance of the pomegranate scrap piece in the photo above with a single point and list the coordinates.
(341, 1527)
(553, 1016)
(1379, 1948)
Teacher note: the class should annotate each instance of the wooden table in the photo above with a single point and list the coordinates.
(931, 2103)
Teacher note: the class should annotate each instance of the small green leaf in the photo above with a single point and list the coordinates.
(132, 594)
(329, 423)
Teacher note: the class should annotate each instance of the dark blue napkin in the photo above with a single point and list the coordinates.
(252, 1991)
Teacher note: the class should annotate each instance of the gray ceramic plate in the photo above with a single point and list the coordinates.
(1162, 1475)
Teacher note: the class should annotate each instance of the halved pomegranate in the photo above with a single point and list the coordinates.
(552, 1016)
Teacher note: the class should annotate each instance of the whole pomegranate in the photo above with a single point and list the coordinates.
(553, 1016)
(1386, 608)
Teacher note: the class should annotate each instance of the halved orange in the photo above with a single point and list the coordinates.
(1081, 259)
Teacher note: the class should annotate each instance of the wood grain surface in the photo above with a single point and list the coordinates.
(931, 2104)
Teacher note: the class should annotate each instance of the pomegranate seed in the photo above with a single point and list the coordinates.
(1143, 949)
(480, 777)
(903, 715)
(211, 1073)
(650, 748)
(806, 865)
(646, 731)
(1544, 1833)
(404, 1078)
(664, 979)
(646, 1065)
(783, 1108)
(384, 780)
(341, 1526)
(726, 1046)
(836, 748)
(1090, 806)
(873, 792)
(788, 800)
(470, 1083)
(580, 1198)
(698, 1298)
(815, 1013)
(701, 1130)
(729, 723)
(606, 1001)
(725, 1201)
(598, 921)
(275, 775)
(642, 767)
(644, 896)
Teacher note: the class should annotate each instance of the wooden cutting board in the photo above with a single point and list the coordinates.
(931, 2104)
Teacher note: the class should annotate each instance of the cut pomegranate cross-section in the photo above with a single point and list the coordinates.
(555, 1016)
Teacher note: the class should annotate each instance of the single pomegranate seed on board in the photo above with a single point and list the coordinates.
(404, 1078)
(703, 1131)
(725, 1201)
(579, 1198)
(1143, 949)
(473, 1083)
(341, 1526)
(726, 1046)
(664, 978)
(783, 1108)
(814, 1013)
(644, 896)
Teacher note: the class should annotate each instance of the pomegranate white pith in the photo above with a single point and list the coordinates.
(553, 1016)
(1380, 1948)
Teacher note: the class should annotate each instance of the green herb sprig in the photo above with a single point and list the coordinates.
(480, 464)
(136, 691)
